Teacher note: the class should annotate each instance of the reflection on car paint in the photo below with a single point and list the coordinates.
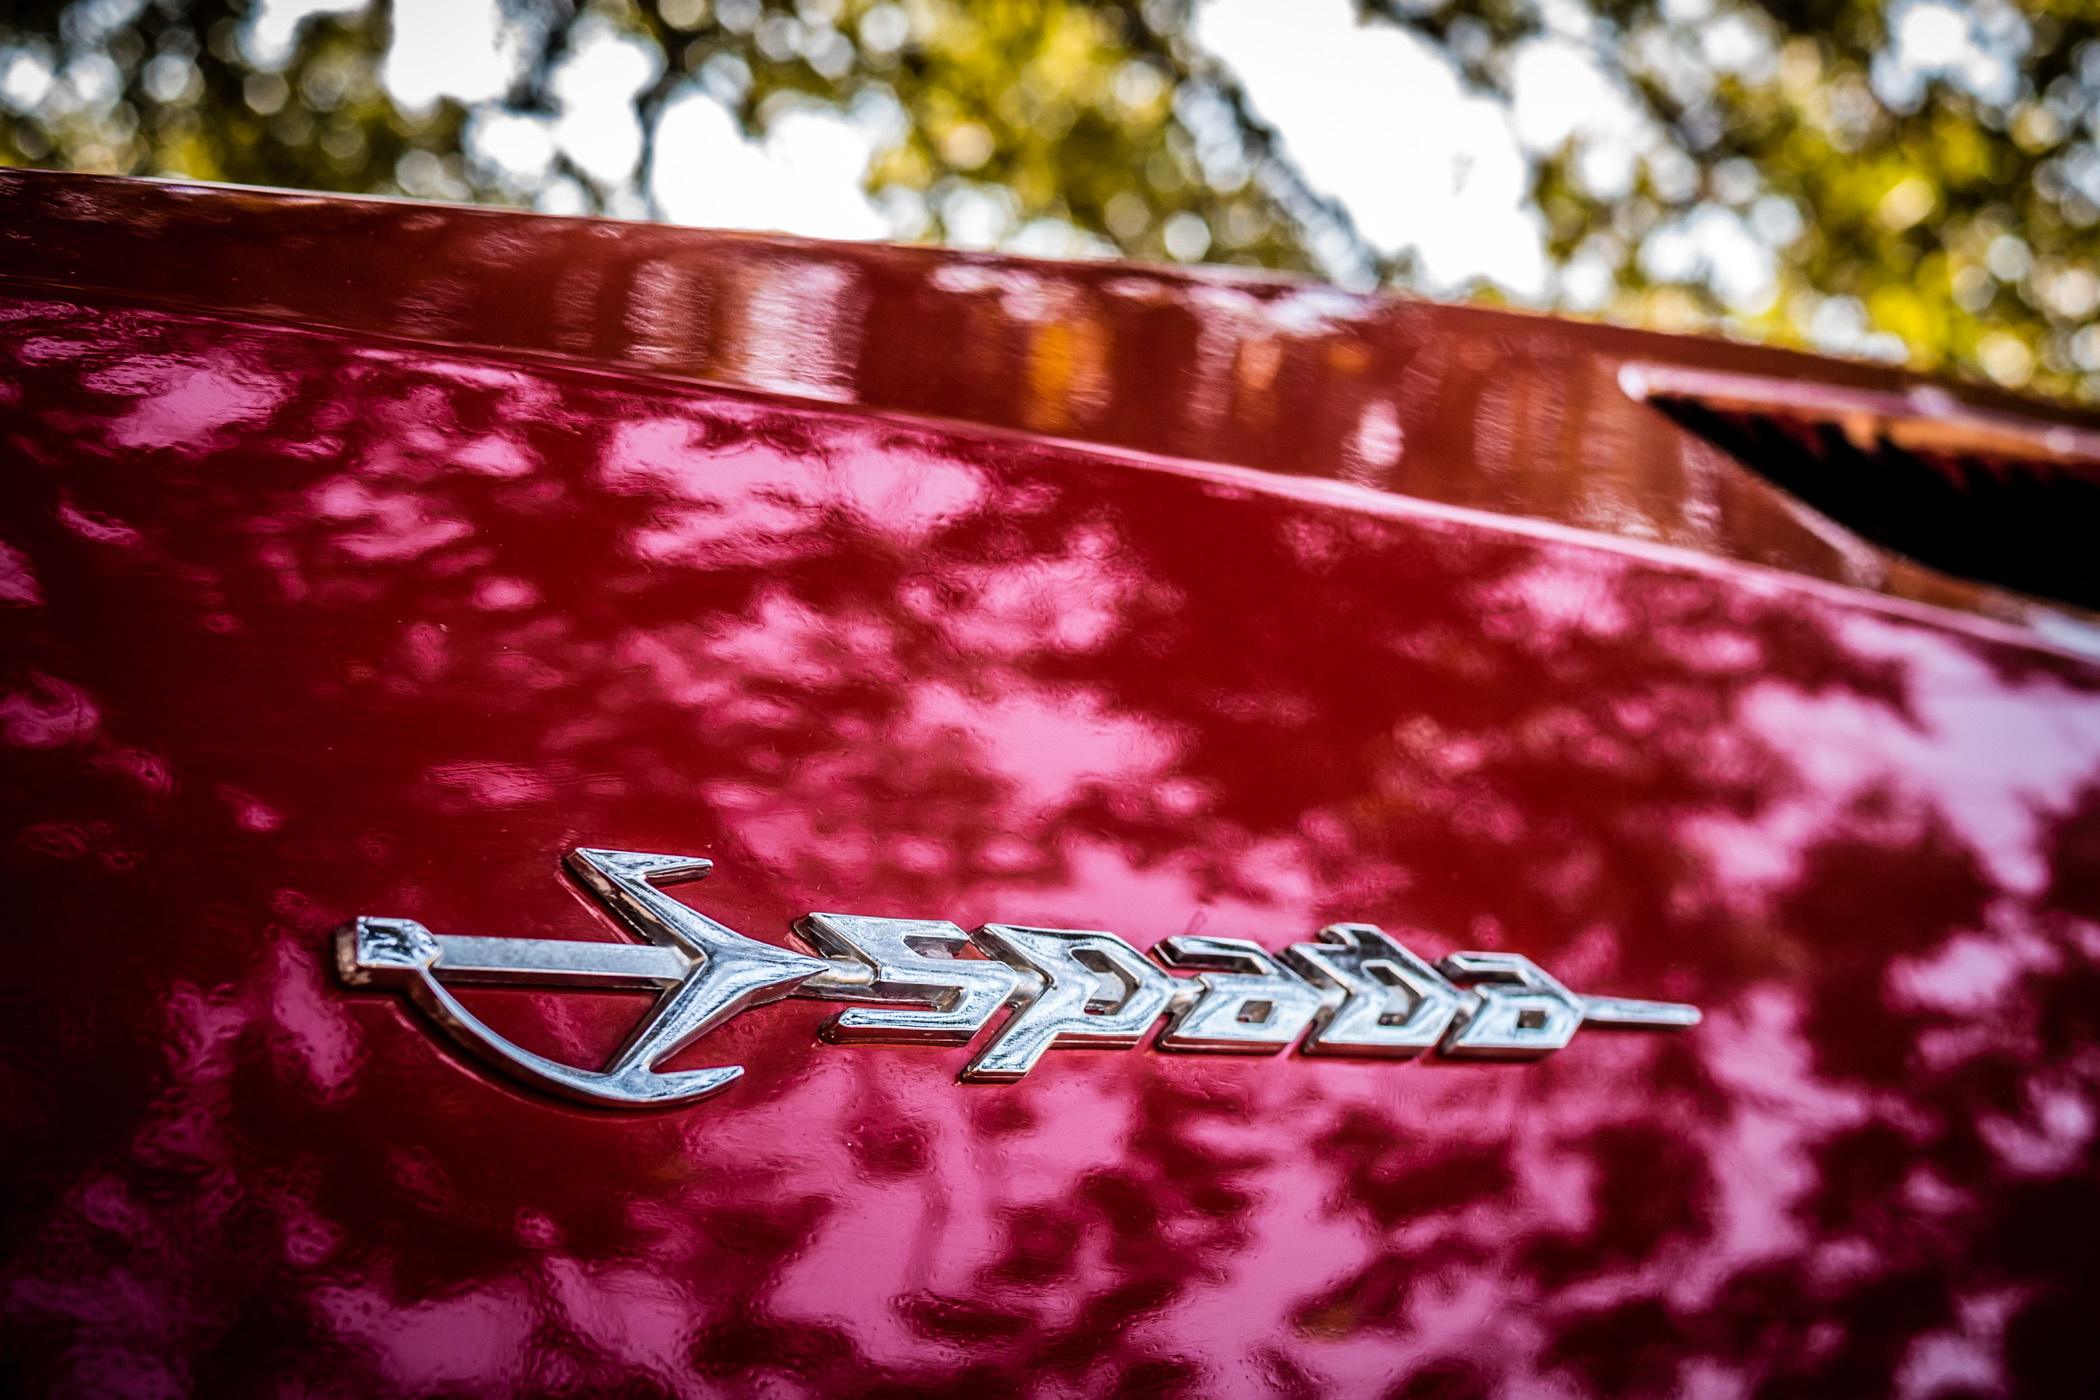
(299, 625)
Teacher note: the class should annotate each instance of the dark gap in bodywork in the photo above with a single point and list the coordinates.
(2023, 524)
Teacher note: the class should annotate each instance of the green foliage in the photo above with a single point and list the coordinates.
(1060, 109)
(166, 90)
(1960, 218)
(1940, 216)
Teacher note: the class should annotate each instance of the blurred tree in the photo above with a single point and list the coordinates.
(1052, 109)
(1920, 178)
(1925, 170)
(116, 87)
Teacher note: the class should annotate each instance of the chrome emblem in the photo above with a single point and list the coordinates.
(1354, 991)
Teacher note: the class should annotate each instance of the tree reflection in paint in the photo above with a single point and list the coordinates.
(312, 627)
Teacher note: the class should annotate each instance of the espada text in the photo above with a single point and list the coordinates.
(1353, 991)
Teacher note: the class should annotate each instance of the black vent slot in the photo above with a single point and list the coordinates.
(1987, 496)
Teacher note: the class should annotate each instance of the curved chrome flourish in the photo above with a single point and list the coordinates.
(1359, 991)
(709, 973)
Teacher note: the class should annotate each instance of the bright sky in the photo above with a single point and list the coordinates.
(804, 178)
(1372, 117)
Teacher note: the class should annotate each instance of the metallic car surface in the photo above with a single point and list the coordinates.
(309, 617)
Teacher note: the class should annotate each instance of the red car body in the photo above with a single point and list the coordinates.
(365, 558)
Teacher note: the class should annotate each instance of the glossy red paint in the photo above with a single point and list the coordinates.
(307, 619)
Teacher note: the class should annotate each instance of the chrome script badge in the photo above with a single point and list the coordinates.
(1353, 991)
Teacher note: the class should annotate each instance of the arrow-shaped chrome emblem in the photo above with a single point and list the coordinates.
(1356, 991)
